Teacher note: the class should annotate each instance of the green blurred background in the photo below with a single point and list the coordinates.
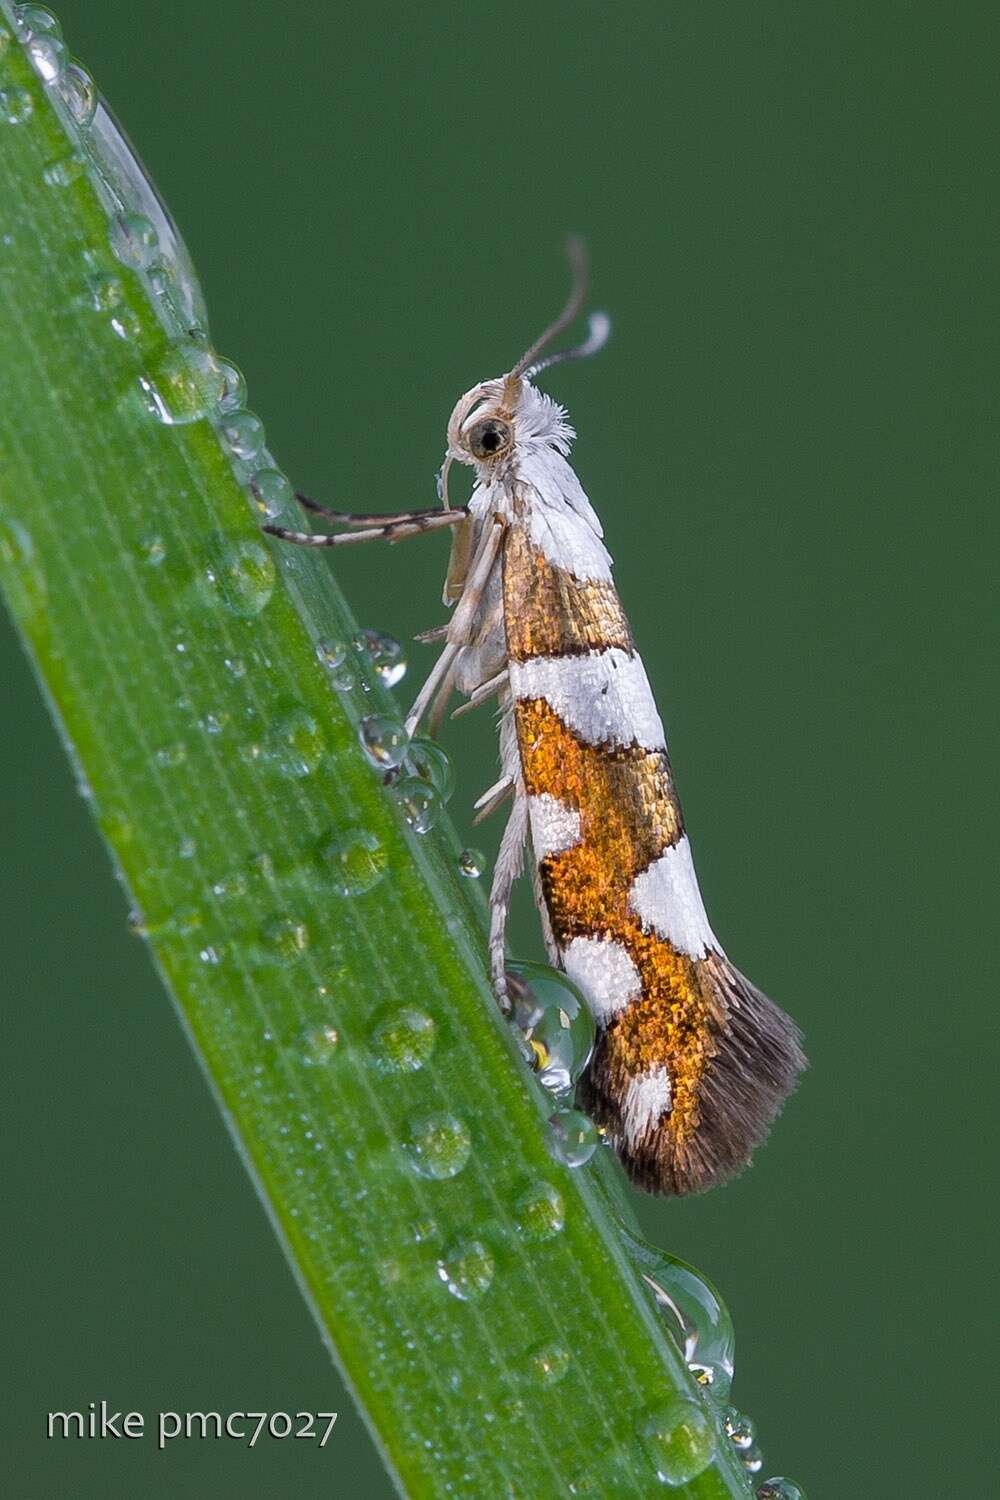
(792, 442)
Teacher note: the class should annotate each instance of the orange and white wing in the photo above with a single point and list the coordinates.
(692, 1062)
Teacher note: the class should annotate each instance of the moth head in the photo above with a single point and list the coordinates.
(490, 420)
(482, 427)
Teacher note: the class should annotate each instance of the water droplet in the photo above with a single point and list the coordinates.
(211, 956)
(331, 653)
(354, 861)
(571, 1137)
(187, 848)
(285, 938)
(384, 653)
(170, 756)
(539, 1212)
(439, 1145)
(780, 1489)
(467, 1270)
(695, 1313)
(236, 666)
(383, 740)
(319, 1043)
(129, 185)
(242, 572)
(294, 744)
(36, 20)
(420, 803)
(679, 1440)
(554, 1020)
(243, 433)
(134, 241)
(752, 1460)
(48, 56)
(428, 761)
(548, 1363)
(739, 1429)
(186, 383)
(272, 491)
(404, 1040)
(16, 105)
(471, 863)
(63, 171)
(79, 94)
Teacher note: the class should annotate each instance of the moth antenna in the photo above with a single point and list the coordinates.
(599, 326)
(576, 254)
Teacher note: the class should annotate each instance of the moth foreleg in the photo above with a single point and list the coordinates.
(506, 870)
(376, 518)
(396, 530)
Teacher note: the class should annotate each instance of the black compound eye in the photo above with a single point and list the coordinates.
(489, 437)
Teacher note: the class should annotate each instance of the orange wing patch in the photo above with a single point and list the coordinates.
(628, 816)
(548, 612)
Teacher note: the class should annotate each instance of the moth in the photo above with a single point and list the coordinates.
(692, 1062)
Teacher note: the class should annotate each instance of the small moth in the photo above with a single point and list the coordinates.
(692, 1061)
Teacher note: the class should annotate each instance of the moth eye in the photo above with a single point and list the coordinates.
(489, 437)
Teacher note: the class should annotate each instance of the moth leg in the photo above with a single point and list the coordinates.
(494, 797)
(548, 938)
(397, 530)
(440, 704)
(462, 624)
(373, 518)
(480, 695)
(510, 857)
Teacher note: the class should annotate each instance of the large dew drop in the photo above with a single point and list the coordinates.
(780, 1489)
(555, 1022)
(548, 1363)
(187, 382)
(428, 762)
(467, 1269)
(241, 573)
(354, 862)
(695, 1314)
(439, 1145)
(571, 1137)
(539, 1212)
(384, 654)
(129, 192)
(294, 744)
(420, 803)
(404, 1040)
(384, 741)
(679, 1440)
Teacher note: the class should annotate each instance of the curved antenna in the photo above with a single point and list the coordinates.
(576, 254)
(599, 331)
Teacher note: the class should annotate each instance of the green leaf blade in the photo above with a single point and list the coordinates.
(289, 909)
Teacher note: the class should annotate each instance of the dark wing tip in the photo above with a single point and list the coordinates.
(757, 1062)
